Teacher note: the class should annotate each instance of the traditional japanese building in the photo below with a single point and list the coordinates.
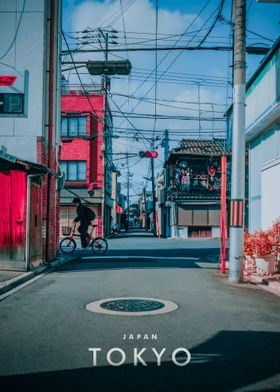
(189, 201)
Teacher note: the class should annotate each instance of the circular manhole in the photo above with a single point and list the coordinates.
(135, 306)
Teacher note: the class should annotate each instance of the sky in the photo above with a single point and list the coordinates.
(186, 92)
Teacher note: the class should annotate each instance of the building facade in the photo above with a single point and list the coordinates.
(262, 135)
(29, 136)
(189, 197)
(86, 158)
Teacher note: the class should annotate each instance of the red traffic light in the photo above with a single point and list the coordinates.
(154, 154)
(148, 154)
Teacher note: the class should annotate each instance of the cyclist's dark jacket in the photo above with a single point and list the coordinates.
(85, 214)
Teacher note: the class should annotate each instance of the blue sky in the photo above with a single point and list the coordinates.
(184, 76)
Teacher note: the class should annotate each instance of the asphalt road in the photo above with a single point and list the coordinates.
(231, 331)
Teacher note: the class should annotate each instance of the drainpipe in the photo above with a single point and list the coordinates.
(27, 225)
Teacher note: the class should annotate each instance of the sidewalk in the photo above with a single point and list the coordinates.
(268, 283)
(12, 279)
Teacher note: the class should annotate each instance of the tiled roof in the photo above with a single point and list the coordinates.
(202, 147)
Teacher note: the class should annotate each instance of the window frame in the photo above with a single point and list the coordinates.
(81, 129)
(77, 163)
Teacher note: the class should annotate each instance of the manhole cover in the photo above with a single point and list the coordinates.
(124, 306)
(132, 305)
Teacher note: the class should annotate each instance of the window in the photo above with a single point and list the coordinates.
(11, 103)
(74, 170)
(73, 126)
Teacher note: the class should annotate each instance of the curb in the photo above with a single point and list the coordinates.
(10, 284)
(271, 286)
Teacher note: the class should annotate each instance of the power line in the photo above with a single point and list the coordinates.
(213, 24)
(16, 33)
(249, 49)
(82, 85)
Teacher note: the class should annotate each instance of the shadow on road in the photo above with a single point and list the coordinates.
(139, 258)
(110, 264)
(229, 361)
(134, 233)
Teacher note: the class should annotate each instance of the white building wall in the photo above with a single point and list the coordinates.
(270, 194)
(255, 197)
(263, 135)
(261, 95)
(19, 135)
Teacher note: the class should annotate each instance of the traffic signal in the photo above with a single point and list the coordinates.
(148, 154)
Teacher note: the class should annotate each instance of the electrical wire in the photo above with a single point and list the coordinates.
(82, 85)
(219, 14)
(165, 56)
(125, 116)
(16, 33)
(117, 14)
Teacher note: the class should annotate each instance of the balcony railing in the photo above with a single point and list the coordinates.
(199, 187)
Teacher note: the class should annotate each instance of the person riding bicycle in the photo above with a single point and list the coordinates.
(84, 215)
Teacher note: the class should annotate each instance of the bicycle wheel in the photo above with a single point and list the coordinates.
(67, 245)
(99, 246)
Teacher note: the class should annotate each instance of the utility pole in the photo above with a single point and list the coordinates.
(165, 145)
(238, 145)
(105, 87)
(154, 197)
(145, 208)
(129, 174)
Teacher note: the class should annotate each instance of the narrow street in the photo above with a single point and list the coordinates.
(231, 331)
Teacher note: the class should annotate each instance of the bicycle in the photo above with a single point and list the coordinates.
(68, 244)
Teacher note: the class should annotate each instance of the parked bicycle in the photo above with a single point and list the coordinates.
(68, 244)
